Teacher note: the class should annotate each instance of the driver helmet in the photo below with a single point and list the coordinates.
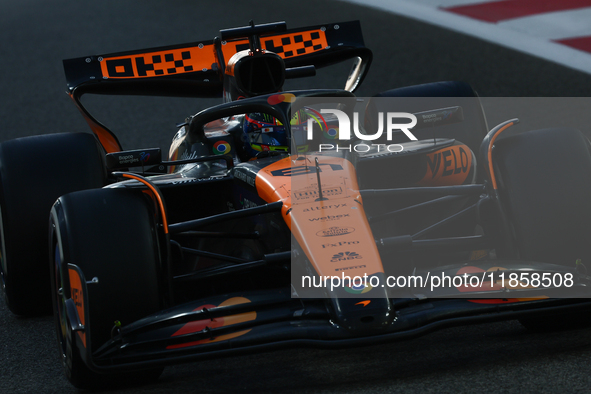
(264, 133)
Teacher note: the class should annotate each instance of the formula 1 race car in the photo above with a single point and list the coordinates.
(281, 218)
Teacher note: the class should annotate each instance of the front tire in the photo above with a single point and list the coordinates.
(545, 188)
(110, 235)
(544, 181)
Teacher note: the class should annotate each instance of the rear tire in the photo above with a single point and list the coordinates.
(544, 181)
(111, 235)
(34, 172)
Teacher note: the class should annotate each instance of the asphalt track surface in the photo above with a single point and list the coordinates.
(501, 357)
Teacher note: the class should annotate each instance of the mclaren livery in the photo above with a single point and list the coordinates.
(264, 228)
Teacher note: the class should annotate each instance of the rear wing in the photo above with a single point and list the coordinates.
(191, 70)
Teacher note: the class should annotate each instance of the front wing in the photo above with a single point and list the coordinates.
(263, 320)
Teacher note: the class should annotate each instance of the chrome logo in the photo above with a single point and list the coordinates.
(332, 133)
(221, 148)
(361, 288)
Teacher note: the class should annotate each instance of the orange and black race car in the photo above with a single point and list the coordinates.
(281, 217)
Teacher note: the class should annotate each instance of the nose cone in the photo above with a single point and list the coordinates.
(363, 315)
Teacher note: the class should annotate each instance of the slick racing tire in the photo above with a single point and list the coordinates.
(469, 126)
(110, 235)
(34, 172)
(544, 180)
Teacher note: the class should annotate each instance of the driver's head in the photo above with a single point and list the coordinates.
(263, 133)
